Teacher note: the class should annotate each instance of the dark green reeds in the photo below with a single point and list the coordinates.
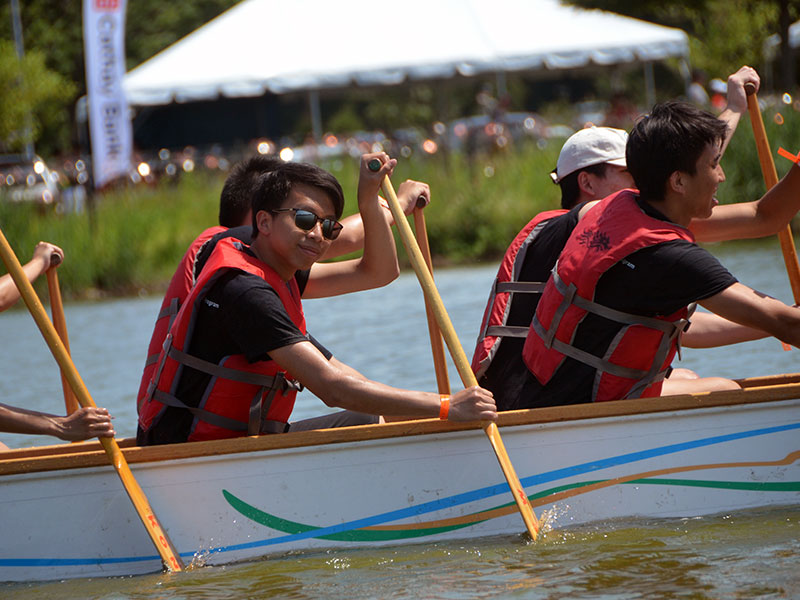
(132, 239)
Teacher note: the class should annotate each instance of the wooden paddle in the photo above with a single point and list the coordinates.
(60, 323)
(771, 179)
(456, 351)
(437, 346)
(171, 559)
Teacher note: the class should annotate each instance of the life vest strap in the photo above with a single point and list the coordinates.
(171, 311)
(507, 331)
(216, 370)
(667, 327)
(521, 287)
(203, 415)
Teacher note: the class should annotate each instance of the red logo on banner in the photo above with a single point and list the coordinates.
(106, 4)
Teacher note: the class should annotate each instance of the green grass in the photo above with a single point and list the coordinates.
(133, 238)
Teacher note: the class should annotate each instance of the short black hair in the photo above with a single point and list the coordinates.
(570, 191)
(273, 188)
(671, 138)
(237, 193)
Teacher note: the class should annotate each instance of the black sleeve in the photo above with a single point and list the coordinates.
(660, 279)
(325, 352)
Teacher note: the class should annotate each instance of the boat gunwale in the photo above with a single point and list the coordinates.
(91, 454)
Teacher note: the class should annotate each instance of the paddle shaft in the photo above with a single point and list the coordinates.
(170, 558)
(437, 346)
(60, 323)
(457, 353)
(771, 179)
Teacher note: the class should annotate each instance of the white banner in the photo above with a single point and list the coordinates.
(109, 125)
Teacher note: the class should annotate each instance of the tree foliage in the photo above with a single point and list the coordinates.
(725, 34)
(33, 99)
(53, 38)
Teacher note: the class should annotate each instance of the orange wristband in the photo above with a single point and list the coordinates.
(444, 408)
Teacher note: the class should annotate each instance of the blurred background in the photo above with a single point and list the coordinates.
(474, 97)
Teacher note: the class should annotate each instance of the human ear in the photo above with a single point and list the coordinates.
(676, 182)
(263, 221)
(585, 183)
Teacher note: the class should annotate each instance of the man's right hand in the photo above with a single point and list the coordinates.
(472, 404)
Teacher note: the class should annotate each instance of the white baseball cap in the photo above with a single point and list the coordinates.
(591, 146)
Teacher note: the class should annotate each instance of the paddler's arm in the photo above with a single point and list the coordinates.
(709, 331)
(746, 306)
(40, 262)
(83, 424)
(342, 389)
(351, 239)
(737, 99)
(378, 264)
(760, 218)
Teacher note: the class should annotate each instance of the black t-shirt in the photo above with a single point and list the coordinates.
(653, 281)
(507, 367)
(240, 314)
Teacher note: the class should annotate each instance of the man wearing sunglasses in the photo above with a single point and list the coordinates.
(239, 351)
(591, 166)
(235, 220)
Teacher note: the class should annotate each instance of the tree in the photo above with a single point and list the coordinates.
(53, 35)
(33, 100)
(725, 34)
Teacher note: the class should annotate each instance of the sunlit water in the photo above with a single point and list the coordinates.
(383, 334)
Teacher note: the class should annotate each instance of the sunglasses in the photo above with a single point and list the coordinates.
(306, 220)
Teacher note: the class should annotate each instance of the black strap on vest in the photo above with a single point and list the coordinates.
(171, 311)
(672, 331)
(260, 404)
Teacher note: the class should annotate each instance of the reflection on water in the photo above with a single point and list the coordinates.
(745, 555)
(382, 333)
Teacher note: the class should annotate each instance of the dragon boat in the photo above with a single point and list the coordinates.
(65, 514)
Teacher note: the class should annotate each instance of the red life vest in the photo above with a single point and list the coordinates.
(637, 360)
(242, 398)
(179, 287)
(506, 284)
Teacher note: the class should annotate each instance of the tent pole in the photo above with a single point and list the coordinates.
(649, 84)
(502, 85)
(316, 114)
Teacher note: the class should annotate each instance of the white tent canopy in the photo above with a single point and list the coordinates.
(295, 45)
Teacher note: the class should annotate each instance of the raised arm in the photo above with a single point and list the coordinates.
(352, 237)
(40, 262)
(751, 308)
(760, 218)
(378, 264)
(737, 99)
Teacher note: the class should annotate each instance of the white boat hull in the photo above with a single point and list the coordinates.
(413, 486)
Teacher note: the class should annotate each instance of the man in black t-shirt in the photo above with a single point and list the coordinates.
(591, 166)
(673, 155)
(251, 312)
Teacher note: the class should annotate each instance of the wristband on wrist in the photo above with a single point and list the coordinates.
(444, 407)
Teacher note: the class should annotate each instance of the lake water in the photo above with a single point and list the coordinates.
(383, 334)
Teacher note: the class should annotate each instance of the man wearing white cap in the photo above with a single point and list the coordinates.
(590, 167)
